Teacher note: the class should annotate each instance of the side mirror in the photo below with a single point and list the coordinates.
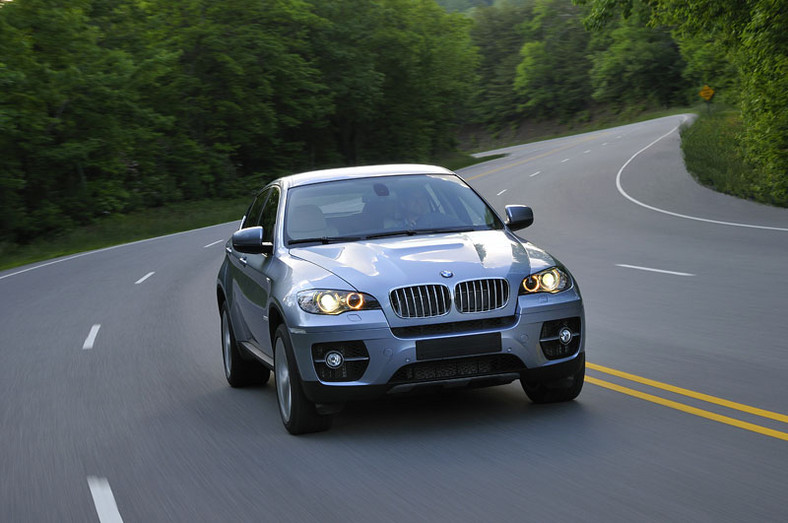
(519, 216)
(250, 241)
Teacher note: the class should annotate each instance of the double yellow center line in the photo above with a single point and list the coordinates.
(691, 394)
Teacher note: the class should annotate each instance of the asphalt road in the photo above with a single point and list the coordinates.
(114, 404)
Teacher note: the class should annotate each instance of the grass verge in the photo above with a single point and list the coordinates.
(117, 229)
(714, 155)
(476, 138)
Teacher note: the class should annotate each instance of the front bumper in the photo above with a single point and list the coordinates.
(393, 365)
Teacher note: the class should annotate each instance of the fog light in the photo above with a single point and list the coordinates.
(565, 336)
(334, 359)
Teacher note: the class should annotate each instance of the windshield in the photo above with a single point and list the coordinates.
(366, 208)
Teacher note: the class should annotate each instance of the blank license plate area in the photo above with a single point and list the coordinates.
(458, 346)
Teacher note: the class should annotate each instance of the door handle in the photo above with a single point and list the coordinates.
(228, 250)
(243, 260)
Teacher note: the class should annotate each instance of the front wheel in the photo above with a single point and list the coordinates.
(555, 391)
(299, 415)
(238, 371)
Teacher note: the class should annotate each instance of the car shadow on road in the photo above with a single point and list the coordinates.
(253, 412)
(500, 408)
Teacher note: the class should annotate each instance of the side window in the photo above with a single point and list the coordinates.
(268, 216)
(253, 214)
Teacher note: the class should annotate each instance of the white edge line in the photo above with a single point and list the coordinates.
(105, 249)
(91, 339)
(661, 271)
(144, 278)
(220, 241)
(677, 215)
(104, 501)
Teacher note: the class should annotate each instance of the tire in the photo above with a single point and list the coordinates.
(299, 415)
(555, 391)
(239, 372)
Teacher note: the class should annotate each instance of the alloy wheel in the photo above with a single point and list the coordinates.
(226, 345)
(283, 387)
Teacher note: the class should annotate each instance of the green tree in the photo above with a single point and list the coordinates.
(708, 63)
(497, 34)
(72, 117)
(428, 65)
(243, 89)
(396, 73)
(552, 77)
(762, 56)
(753, 35)
(349, 69)
(637, 65)
(108, 105)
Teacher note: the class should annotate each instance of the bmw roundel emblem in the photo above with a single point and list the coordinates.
(447, 274)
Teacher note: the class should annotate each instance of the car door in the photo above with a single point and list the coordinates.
(255, 284)
(238, 277)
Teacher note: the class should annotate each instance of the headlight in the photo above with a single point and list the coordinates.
(550, 280)
(335, 302)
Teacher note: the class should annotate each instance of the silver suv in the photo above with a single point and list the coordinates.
(358, 282)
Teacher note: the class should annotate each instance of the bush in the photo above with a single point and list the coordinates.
(715, 155)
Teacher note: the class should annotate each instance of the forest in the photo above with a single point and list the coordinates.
(108, 106)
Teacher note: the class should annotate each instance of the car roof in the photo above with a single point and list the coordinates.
(345, 173)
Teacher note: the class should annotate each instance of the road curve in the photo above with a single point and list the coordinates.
(114, 405)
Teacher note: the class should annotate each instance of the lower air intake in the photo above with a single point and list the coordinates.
(458, 368)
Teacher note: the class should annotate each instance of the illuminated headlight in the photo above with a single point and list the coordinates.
(335, 302)
(550, 280)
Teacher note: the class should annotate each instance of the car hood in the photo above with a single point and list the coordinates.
(377, 266)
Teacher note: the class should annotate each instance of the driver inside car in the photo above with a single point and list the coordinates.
(415, 205)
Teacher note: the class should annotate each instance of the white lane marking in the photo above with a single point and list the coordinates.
(91, 339)
(587, 151)
(106, 508)
(212, 244)
(534, 174)
(604, 143)
(144, 278)
(565, 160)
(500, 193)
(677, 215)
(108, 249)
(674, 273)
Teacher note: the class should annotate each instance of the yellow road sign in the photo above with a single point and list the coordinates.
(706, 93)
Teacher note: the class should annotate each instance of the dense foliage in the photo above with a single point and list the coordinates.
(741, 46)
(538, 60)
(714, 155)
(107, 106)
(111, 105)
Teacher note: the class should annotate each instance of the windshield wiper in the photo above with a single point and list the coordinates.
(434, 230)
(460, 228)
(326, 239)
(409, 232)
